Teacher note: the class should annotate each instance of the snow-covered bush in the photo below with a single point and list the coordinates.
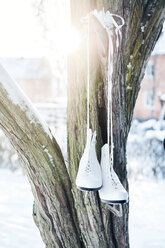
(145, 152)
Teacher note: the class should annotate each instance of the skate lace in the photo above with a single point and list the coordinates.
(88, 168)
(110, 175)
(108, 170)
(114, 183)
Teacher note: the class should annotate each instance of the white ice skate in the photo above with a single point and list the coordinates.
(112, 191)
(89, 174)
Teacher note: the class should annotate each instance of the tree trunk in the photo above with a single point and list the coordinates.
(99, 227)
(66, 217)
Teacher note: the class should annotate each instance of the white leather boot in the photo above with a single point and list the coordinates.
(89, 174)
(112, 191)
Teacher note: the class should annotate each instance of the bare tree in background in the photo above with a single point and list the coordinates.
(65, 216)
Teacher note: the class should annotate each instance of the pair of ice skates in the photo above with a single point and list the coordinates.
(91, 176)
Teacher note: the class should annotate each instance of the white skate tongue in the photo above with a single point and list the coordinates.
(89, 136)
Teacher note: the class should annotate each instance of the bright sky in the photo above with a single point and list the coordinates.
(21, 34)
(19, 29)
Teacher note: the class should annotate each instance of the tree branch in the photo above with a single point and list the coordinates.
(145, 25)
(43, 162)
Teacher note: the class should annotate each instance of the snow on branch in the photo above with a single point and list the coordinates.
(17, 97)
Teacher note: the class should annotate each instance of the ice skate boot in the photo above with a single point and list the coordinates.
(112, 191)
(89, 174)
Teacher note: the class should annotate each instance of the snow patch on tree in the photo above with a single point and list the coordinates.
(129, 87)
(129, 66)
(50, 157)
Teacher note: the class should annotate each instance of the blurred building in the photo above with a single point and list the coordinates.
(152, 93)
(35, 77)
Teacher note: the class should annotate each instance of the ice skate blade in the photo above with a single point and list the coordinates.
(114, 202)
(89, 189)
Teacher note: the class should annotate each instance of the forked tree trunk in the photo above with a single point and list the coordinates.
(66, 217)
(143, 22)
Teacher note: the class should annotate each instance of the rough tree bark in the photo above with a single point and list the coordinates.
(66, 217)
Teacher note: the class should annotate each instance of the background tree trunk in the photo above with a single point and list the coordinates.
(66, 217)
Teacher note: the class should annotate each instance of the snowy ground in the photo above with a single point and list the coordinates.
(146, 170)
(147, 214)
(17, 229)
